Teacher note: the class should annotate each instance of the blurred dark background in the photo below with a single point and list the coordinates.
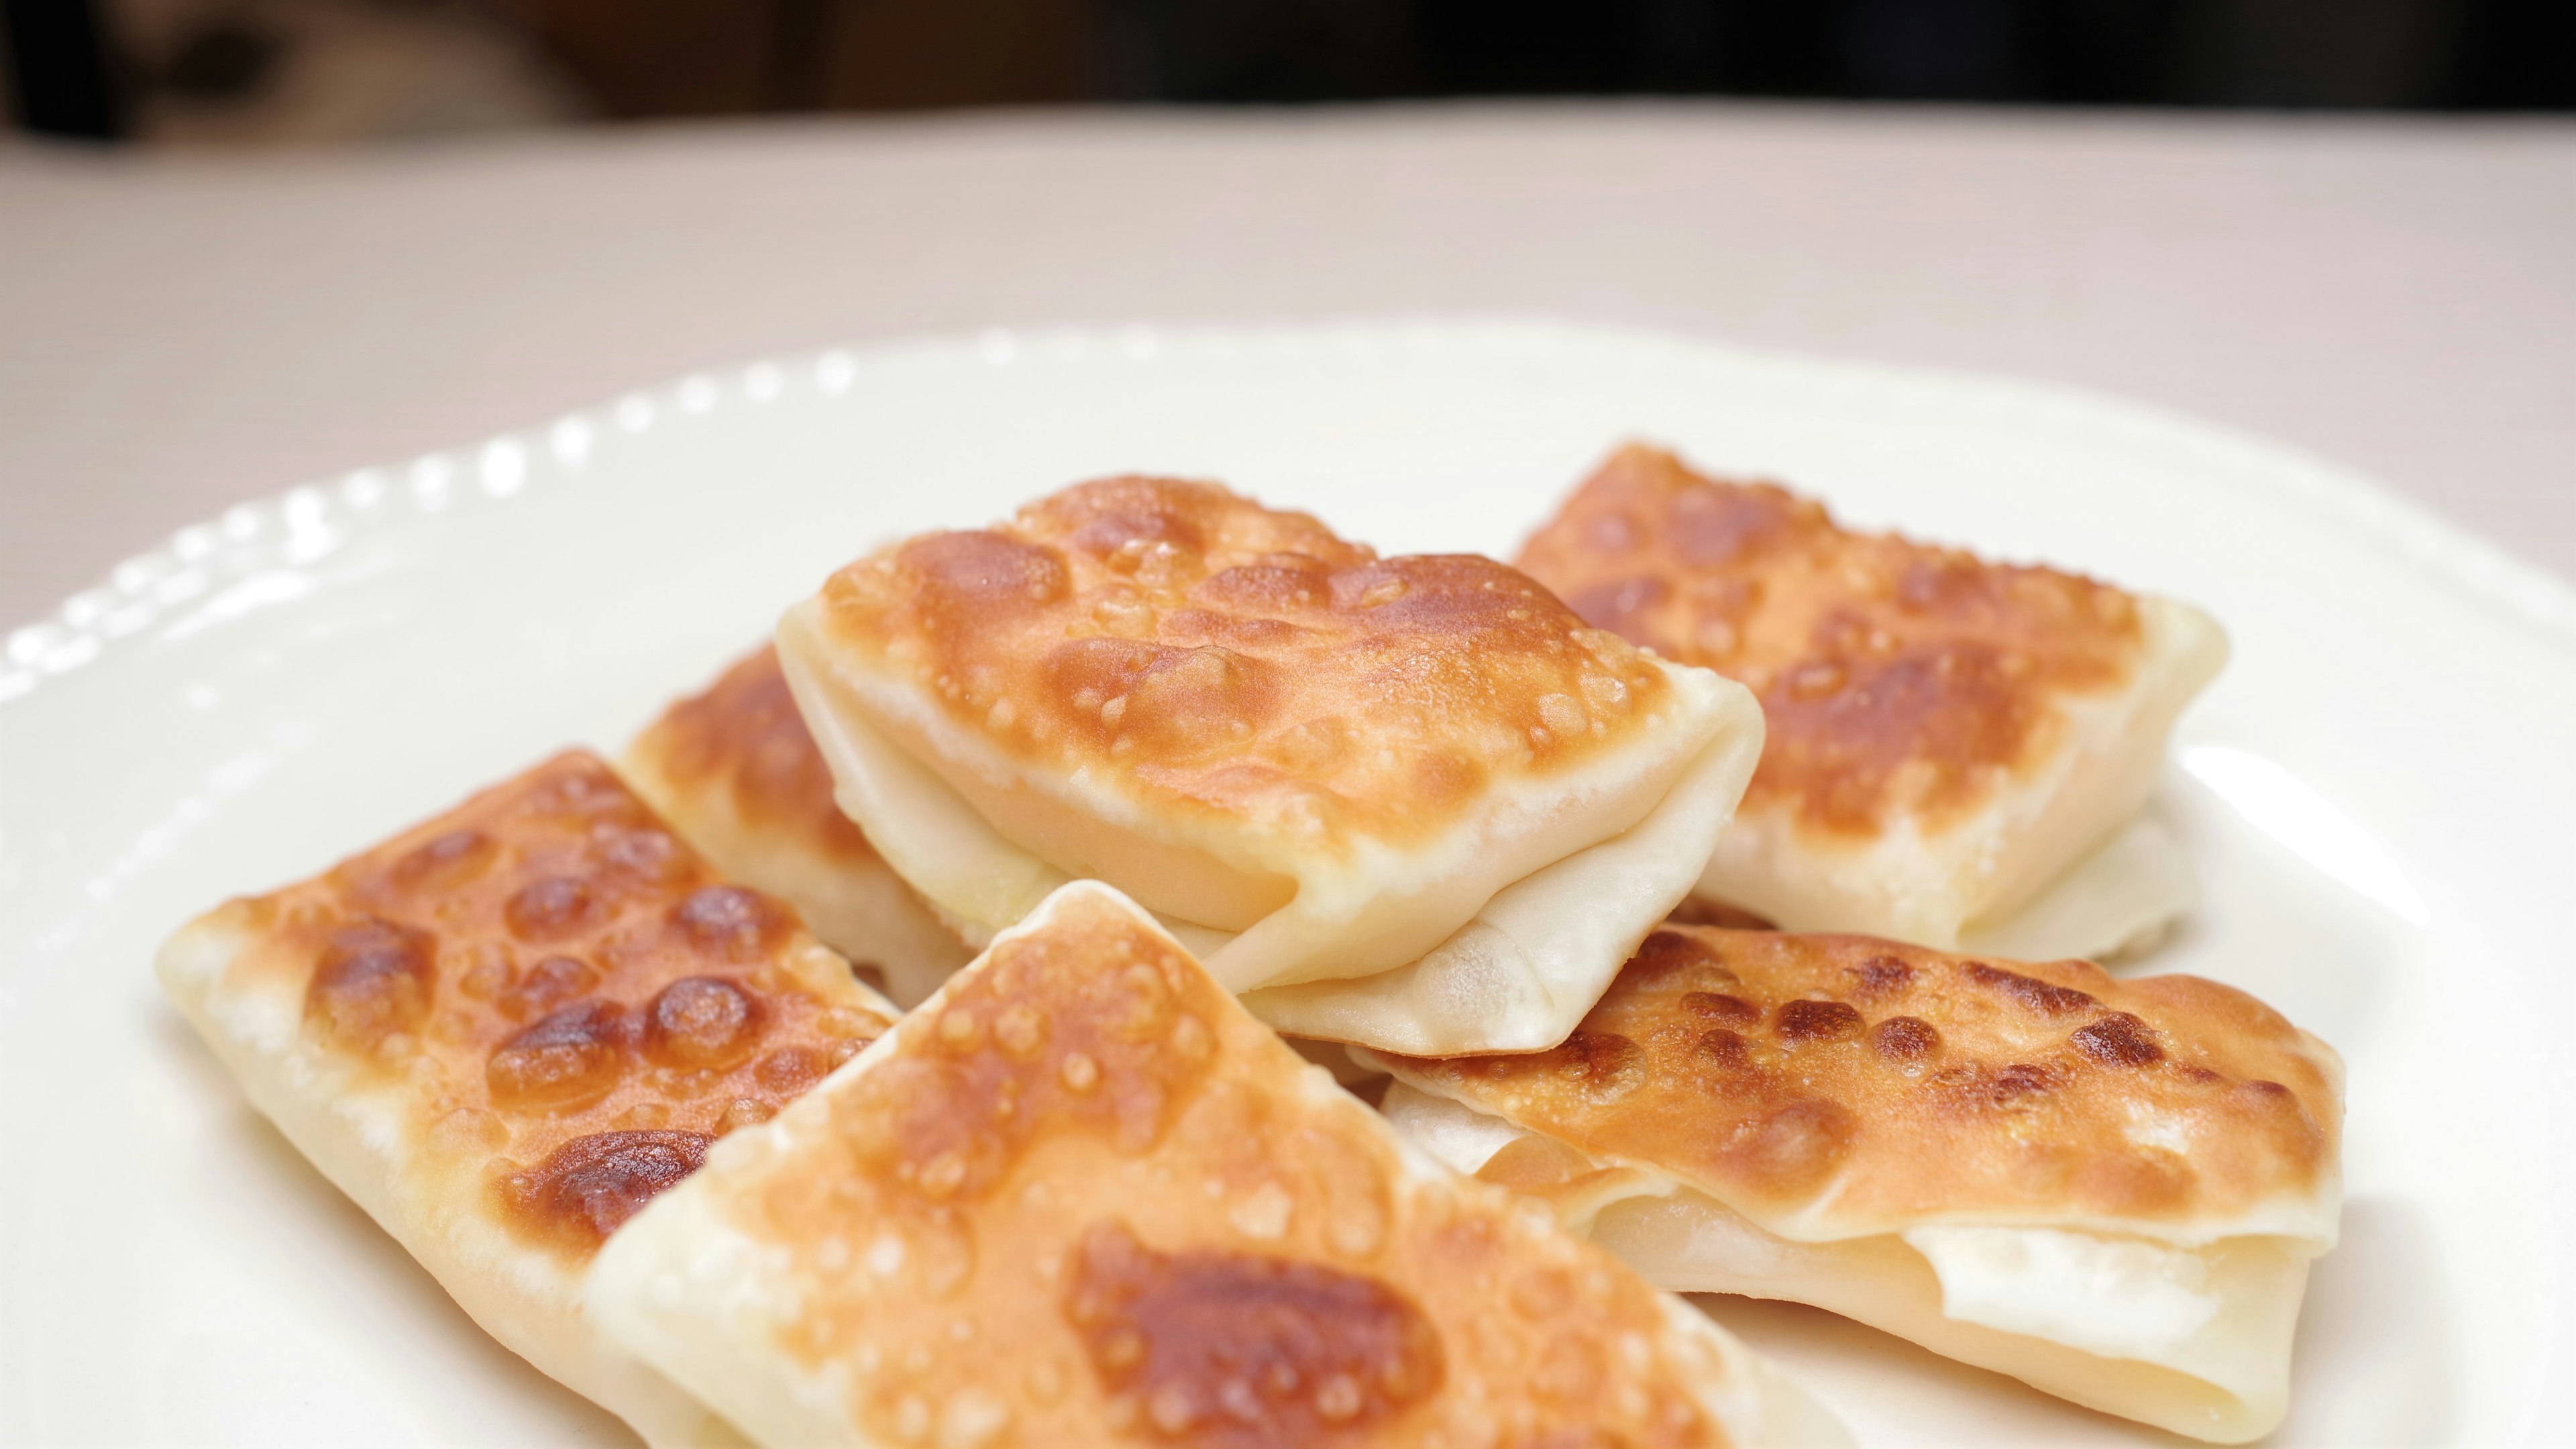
(318, 71)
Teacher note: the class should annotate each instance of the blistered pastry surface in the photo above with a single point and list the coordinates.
(1898, 679)
(1211, 653)
(743, 739)
(1855, 1085)
(1084, 1198)
(568, 1003)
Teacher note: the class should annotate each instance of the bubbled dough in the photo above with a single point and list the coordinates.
(735, 769)
(500, 1030)
(1080, 1179)
(1357, 766)
(1950, 738)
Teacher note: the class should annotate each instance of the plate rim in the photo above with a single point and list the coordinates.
(265, 533)
(269, 529)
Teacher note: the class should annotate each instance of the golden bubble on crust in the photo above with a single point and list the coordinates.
(1227, 656)
(1913, 1080)
(588, 1187)
(572, 1058)
(372, 979)
(1897, 678)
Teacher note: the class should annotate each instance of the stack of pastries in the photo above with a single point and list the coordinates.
(1154, 971)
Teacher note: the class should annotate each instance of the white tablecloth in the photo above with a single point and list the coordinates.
(179, 333)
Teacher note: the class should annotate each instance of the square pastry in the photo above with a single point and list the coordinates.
(1413, 801)
(735, 769)
(1959, 751)
(504, 1030)
(2110, 1190)
(1082, 1197)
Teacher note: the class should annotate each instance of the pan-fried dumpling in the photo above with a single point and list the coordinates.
(503, 1031)
(1082, 1197)
(1959, 751)
(2110, 1190)
(1412, 801)
(736, 771)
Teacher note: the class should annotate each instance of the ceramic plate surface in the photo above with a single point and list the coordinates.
(2376, 795)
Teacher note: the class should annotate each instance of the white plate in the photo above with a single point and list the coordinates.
(2377, 793)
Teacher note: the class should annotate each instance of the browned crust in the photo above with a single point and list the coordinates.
(743, 739)
(1101, 1196)
(568, 999)
(1222, 656)
(1779, 1071)
(1897, 678)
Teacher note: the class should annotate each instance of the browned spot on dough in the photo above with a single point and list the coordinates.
(1668, 954)
(2020, 1080)
(1718, 1006)
(543, 987)
(730, 923)
(588, 1187)
(553, 909)
(1815, 1021)
(705, 1022)
(2027, 991)
(374, 979)
(1905, 1039)
(1237, 1351)
(1879, 976)
(1602, 1065)
(1792, 1147)
(2119, 1039)
(446, 861)
(1722, 1048)
(569, 1059)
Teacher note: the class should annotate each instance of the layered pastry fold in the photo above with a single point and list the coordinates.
(1082, 1197)
(504, 1030)
(735, 769)
(1960, 752)
(1412, 802)
(2110, 1190)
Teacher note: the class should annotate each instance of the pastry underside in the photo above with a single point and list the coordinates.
(2109, 1190)
(1959, 751)
(503, 1031)
(1412, 802)
(1082, 1197)
(736, 772)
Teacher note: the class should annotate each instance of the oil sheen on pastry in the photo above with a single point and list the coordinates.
(505, 1030)
(1959, 750)
(1082, 1197)
(736, 770)
(1406, 801)
(2111, 1190)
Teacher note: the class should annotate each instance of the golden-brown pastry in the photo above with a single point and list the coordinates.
(1409, 801)
(1959, 751)
(2110, 1190)
(736, 771)
(1081, 1197)
(504, 1030)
